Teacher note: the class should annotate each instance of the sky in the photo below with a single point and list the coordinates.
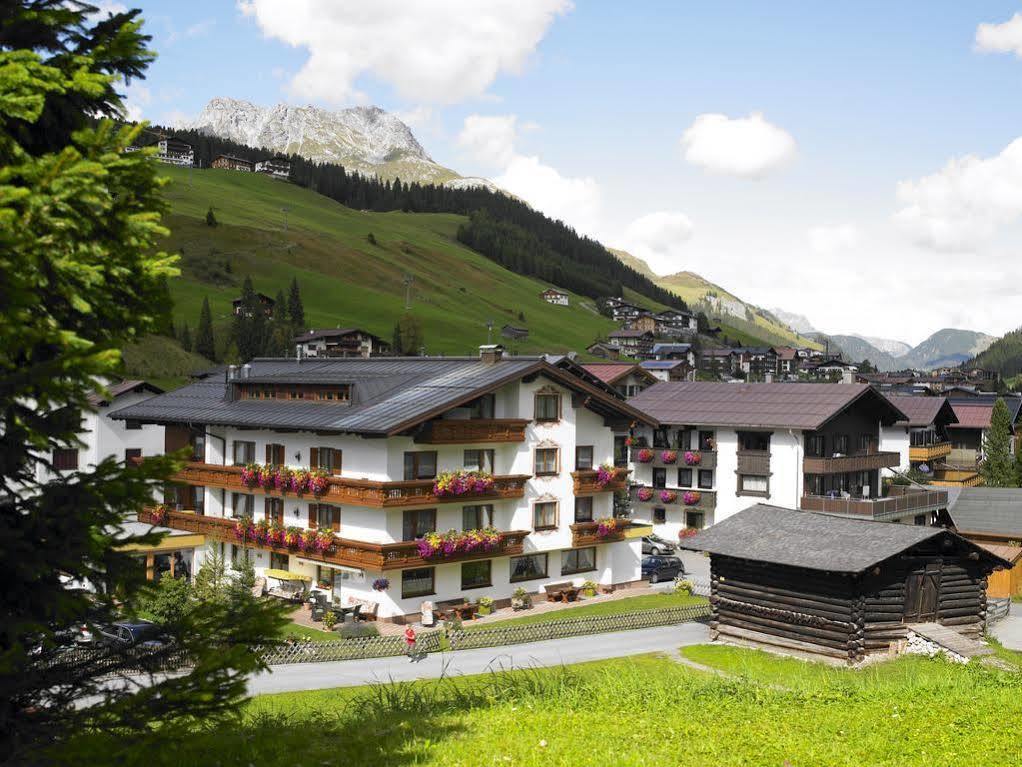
(860, 164)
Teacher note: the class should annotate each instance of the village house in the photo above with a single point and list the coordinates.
(722, 447)
(264, 300)
(830, 369)
(662, 351)
(555, 297)
(755, 362)
(627, 378)
(675, 323)
(169, 149)
(719, 362)
(341, 342)
(669, 370)
(969, 432)
(275, 167)
(439, 478)
(922, 439)
(992, 518)
(787, 362)
(232, 162)
(636, 343)
(621, 311)
(644, 322)
(604, 350)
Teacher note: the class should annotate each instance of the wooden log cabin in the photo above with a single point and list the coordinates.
(839, 587)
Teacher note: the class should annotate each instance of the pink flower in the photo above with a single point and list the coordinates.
(669, 456)
(644, 494)
(645, 455)
(605, 474)
(692, 458)
(691, 497)
(668, 496)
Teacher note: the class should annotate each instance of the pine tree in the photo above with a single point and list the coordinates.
(186, 338)
(210, 217)
(998, 467)
(295, 310)
(396, 346)
(250, 323)
(408, 336)
(213, 582)
(281, 331)
(205, 343)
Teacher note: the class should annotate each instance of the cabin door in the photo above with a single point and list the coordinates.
(921, 592)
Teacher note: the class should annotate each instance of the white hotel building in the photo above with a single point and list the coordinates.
(383, 429)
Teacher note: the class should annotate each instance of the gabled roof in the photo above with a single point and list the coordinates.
(261, 296)
(670, 348)
(612, 372)
(629, 334)
(987, 510)
(662, 364)
(121, 388)
(805, 539)
(390, 395)
(923, 411)
(972, 416)
(785, 352)
(313, 335)
(804, 406)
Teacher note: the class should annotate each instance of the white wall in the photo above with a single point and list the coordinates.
(896, 440)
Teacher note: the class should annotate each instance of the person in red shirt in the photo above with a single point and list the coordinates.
(410, 641)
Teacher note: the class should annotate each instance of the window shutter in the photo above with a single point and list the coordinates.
(313, 512)
(269, 454)
(335, 462)
(335, 521)
(266, 508)
(313, 459)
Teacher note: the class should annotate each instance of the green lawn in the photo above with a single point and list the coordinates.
(609, 607)
(638, 711)
(297, 631)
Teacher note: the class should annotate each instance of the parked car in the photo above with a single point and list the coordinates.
(660, 568)
(135, 632)
(654, 544)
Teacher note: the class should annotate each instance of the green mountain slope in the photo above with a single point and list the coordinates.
(1004, 355)
(344, 279)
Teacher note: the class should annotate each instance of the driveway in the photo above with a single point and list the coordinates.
(554, 652)
(1008, 630)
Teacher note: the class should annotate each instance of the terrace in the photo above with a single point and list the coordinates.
(472, 431)
(588, 533)
(586, 481)
(902, 502)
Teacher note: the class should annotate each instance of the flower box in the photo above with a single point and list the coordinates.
(644, 456)
(453, 543)
(668, 496)
(608, 526)
(285, 480)
(644, 494)
(692, 458)
(605, 474)
(691, 498)
(669, 456)
(462, 483)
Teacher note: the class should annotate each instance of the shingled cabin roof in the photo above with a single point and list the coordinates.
(805, 539)
(922, 411)
(986, 511)
(119, 389)
(389, 394)
(804, 406)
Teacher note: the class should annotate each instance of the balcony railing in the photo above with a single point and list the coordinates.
(585, 481)
(850, 463)
(882, 509)
(929, 452)
(357, 492)
(707, 498)
(470, 431)
(587, 533)
(346, 552)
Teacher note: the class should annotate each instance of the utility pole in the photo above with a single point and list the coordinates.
(408, 280)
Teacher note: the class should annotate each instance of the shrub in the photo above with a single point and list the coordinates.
(167, 602)
(329, 620)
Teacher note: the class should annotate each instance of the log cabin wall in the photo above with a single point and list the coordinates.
(790, 607)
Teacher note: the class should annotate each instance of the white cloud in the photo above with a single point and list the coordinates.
(437, 51)
(136, 97)
(105, 8)
(575, 201)
(175, 118)
(744, 146)
(827, 240)
(962, 205)
(490, 139)
(200, 28)
(1001, 38)
(657, 239)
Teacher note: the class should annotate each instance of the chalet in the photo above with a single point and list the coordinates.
(604, 350)
(661, 351)
(232, 162)
(829, 369)
(719, 362)
(668, 370)
(637, 343)
(341, 342)
(643, 322)
(440, 479)
(674, 322)
(973, 422)
(275, 167)
(757, 363)
(169, 149)
(787, 362)
(627, 378)
(622, 311)
(922, 439)
(991, 517)
(841, 588)
(555, 297)
(722, 447)
(264, 300)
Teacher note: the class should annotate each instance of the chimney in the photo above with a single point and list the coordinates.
(491, 352)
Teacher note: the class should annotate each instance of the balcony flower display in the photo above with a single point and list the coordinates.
(159, 514)
(669, 456)
(692, 458)
(250, 475)
(644, 456)
(244, 530)
(462, 482)
(690, 497)
(276, 535)
(644, 494)
(608, 526)
(381, 584)
(629, 441)
(310, 538)
(318, 482)
(267, 477)
(605, 474)
(260, 531)
(294, 538)
(668, 496)
(687, 532)
(453, 542)
(325, 540)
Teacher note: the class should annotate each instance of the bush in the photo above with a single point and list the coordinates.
(358, 630)
(167, 602)
(684, 587)
(329, 620)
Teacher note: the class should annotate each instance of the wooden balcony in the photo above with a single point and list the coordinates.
(851, 463)
(927, 453)
(473, 431)
(356, 492)
(585, 481)
(957, 478)
(754, 462)
(346, 552)
(586, 533)
(707, 499)
(887, 509)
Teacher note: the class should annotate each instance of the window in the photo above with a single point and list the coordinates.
(753, 484)
(479, 460)
(327, 459)
(683, 438)
(548, 407)
(578, 560)
(477, 517)
(684, 477)
(476, 575)
(706, 440)
(660, 438)
(273, 508)
(584, 508)
(754, 440)
(132, 425)
(620, 450)
(279, 561)
(695, 519)
(706, 479)
(659, 516)
(324, 577)
(420, 465)
(841, 444)
(815, 446)
(544, 515)
(484, 407)
(814, 484)
(418, 522)
(244, 452)
(65, 459)
(583, 457)
(242, 505)
(325, 517)
(866, 443)
(528, 568)
(417, 582)
(660, 477)
(199, 499)
(546, 461)
(132, 454)
(197, 440)
(275, 454)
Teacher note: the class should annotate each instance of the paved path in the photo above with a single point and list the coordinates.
(554, 652)
(1008, 630)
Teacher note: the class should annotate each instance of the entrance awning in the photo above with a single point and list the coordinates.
(286, 575)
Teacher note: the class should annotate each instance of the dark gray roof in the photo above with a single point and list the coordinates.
(312, 335)
(122, 387)
(759, 405)
(814, 541)
(389, 394)
(993, 510)
(922, 411)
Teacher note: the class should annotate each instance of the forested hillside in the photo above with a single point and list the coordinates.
(1004, 355)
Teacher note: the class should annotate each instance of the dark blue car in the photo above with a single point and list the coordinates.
(660, 568)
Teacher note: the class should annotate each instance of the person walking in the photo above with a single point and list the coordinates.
(410, 640)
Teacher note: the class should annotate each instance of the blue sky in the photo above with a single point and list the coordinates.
(838, 201)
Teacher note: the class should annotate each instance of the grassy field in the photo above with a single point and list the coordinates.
(637, 711)
(611, 607)
(297, 631)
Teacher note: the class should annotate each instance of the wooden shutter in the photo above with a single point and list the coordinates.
(313, 459)
(269, 454)
(335, 461)
(313, 512)
(266, 508)
(335, 520)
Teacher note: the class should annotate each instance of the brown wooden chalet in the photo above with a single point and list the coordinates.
(843, 588)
